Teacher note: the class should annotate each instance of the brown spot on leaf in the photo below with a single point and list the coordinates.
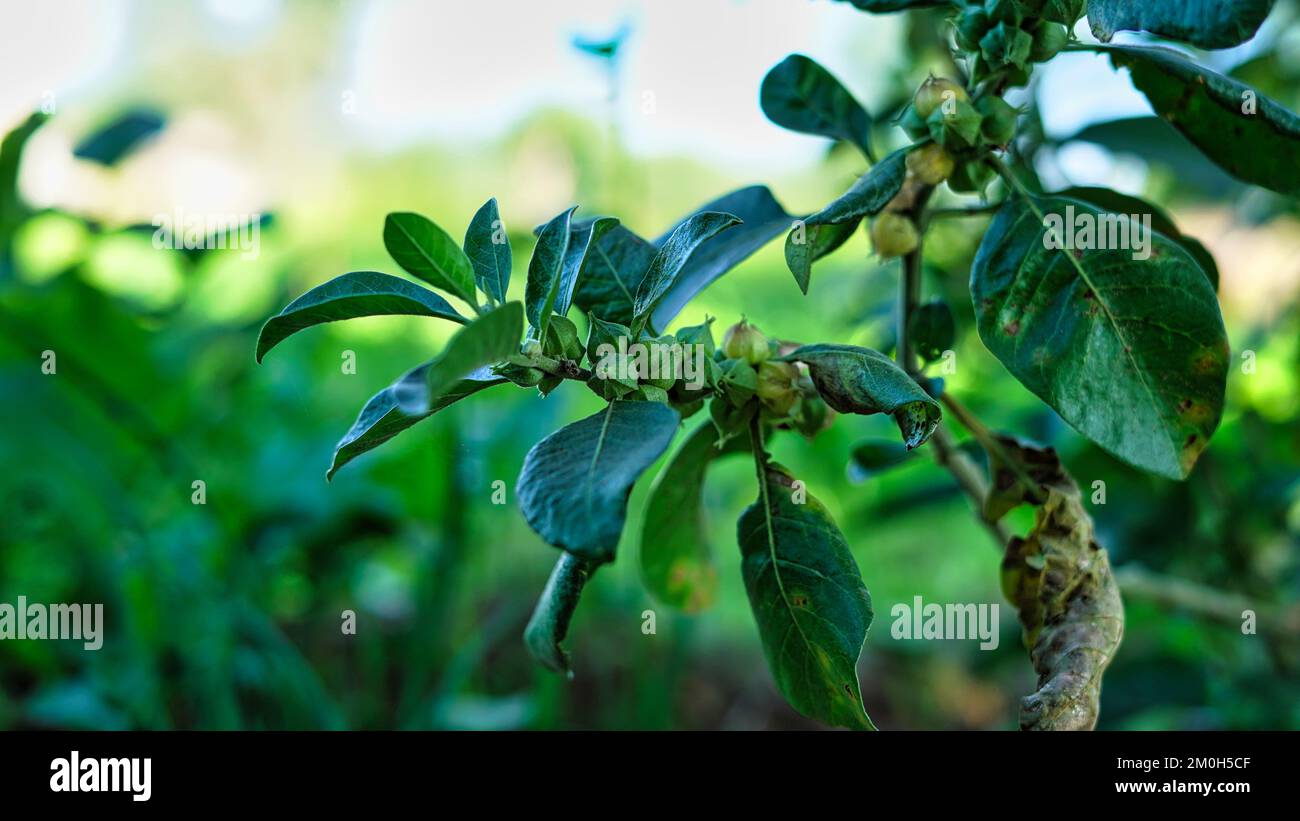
(1011, 328)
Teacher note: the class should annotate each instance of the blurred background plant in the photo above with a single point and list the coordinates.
(322, 117)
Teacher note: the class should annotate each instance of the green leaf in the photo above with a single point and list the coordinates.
(871, 193)
(1117, 203)
(382, 418)
(731, 420)
(611, 273)
(1131, 353)
(550, 620)
(860, 380)
(1204, 23)
(488, 247)
(600, 333)
(13, 211)
(676, 559)
(762, 220)
(562, 339)
(871, 458)
(672, 258)
(931, 329)
(360, 293)
(800, 95)
(809, 602)
(1247, 134)
(123, 135)
(701, 334)
(487, 340)
(806, 246)
(574, 484)
(584, 235)
(426, 251)
(545, 269)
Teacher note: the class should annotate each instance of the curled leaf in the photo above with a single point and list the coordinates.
(1060, 581)
(863, 381)
(550, 620)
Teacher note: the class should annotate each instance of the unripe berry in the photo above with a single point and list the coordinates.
(930, 164)
(913, 124)
(999, 119)
(933, 93)
(971, 27)
(776, 386)
(1049, 39)
(744, 341)
(894, 235)
(1006, 44)
(1004, 11)
(970, 177)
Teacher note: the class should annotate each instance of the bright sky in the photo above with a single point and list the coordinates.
(464, 71)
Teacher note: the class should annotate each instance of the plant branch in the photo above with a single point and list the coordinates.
(992, 446)
(1219, 605)
(564, 368)
(957, 213)
(969, 477)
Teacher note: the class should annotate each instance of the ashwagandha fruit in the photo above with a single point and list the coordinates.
(933, 93)
(894, 235)
(955, 127)
(931, 164)
(776, 386)
(1005, 44)
(744, 341)
(1049, 39)
(1004, 11)
(971, 26)
(913, 123)
(999, 119)
(970, 177)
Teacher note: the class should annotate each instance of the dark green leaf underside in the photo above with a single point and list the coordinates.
(1204, 23)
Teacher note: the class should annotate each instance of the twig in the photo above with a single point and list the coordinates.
(1219, 605)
